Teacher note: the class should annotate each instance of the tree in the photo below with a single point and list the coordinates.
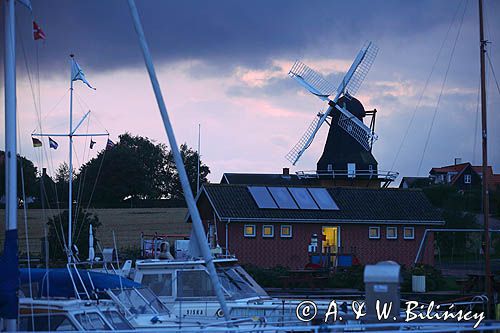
(190, 159)
(30, 172)
(58, 233)
(62, 182)
(136, 168)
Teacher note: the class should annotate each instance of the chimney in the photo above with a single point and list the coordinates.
(458, 160)
(286, 171)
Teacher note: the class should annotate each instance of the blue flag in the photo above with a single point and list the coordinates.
(53, 144)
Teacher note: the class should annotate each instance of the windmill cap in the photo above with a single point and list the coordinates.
(353, 105)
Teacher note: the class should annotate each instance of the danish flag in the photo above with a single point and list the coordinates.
(37, 32)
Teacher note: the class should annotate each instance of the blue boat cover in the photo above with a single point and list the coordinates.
(60, 284)
(9, 278)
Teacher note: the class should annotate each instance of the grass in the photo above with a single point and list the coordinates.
(127, 224)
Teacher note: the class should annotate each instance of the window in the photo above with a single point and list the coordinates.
(286, 231)
(249, 230)
(91, 321)
(268, 231)
(351, 170)
(160, 284)
(195, 283)
(117, 321)
(391, 232)
(329, 167)
(374, 232)
(409, 233)
(58, 322)
(467, 179)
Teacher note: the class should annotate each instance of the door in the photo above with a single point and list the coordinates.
(330, 243)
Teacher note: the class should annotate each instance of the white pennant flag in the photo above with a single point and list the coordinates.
(77, 74)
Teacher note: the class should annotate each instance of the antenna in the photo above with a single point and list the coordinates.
(316, 84)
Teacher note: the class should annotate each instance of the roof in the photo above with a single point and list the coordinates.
(494, 179)
(450, 168)
(356, 205)
(262, 179)
(411, 181)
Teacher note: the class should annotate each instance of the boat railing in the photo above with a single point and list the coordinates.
(72, 267)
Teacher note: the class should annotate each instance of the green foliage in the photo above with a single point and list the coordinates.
(29, 176)
(448, 197)
(267, 277)
(58, 232)
(190, 159)
(434, 280)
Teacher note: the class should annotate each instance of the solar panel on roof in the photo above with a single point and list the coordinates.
(282, 197)
(303, 198)
(262, 197)
(323, 198)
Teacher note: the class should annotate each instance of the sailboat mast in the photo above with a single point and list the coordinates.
(10, 132)
(485, 192)
(198, 228)
(198, 162)
(70, 172)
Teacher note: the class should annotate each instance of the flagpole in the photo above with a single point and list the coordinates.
(70, 180)
(10, 153)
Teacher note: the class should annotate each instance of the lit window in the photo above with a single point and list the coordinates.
(374, 232)
(467, 179)
(409, 233)
(391, 233)
(249, 230)
(267, 231)
(286, 231)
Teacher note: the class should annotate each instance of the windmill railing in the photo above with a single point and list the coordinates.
(364, 174)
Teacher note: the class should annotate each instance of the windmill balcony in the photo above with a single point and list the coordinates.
(366, 174)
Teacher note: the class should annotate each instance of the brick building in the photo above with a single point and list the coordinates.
(272, 225)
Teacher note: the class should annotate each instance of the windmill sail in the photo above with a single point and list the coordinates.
(359, 69)
(304, 142)
(311, 80)
(356, 128)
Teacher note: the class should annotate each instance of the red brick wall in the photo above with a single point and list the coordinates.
(354, 239)
(292, 253)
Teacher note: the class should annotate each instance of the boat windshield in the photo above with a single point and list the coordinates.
(92, 321)
(139, 301)
(238, 283)
(116, 320)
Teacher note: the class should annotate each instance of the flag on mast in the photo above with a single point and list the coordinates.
(109, 144)
(38, 32)
(77, 73)
(36, 143)
(92, 143)
(52, 143)
(27, 4)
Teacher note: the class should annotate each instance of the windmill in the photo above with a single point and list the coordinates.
(349, 139)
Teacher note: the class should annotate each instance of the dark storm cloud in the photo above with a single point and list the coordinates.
(222, 32)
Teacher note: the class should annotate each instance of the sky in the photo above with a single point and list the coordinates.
(224, 65)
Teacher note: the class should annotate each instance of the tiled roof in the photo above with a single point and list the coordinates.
(450, 168)
(356, 205)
